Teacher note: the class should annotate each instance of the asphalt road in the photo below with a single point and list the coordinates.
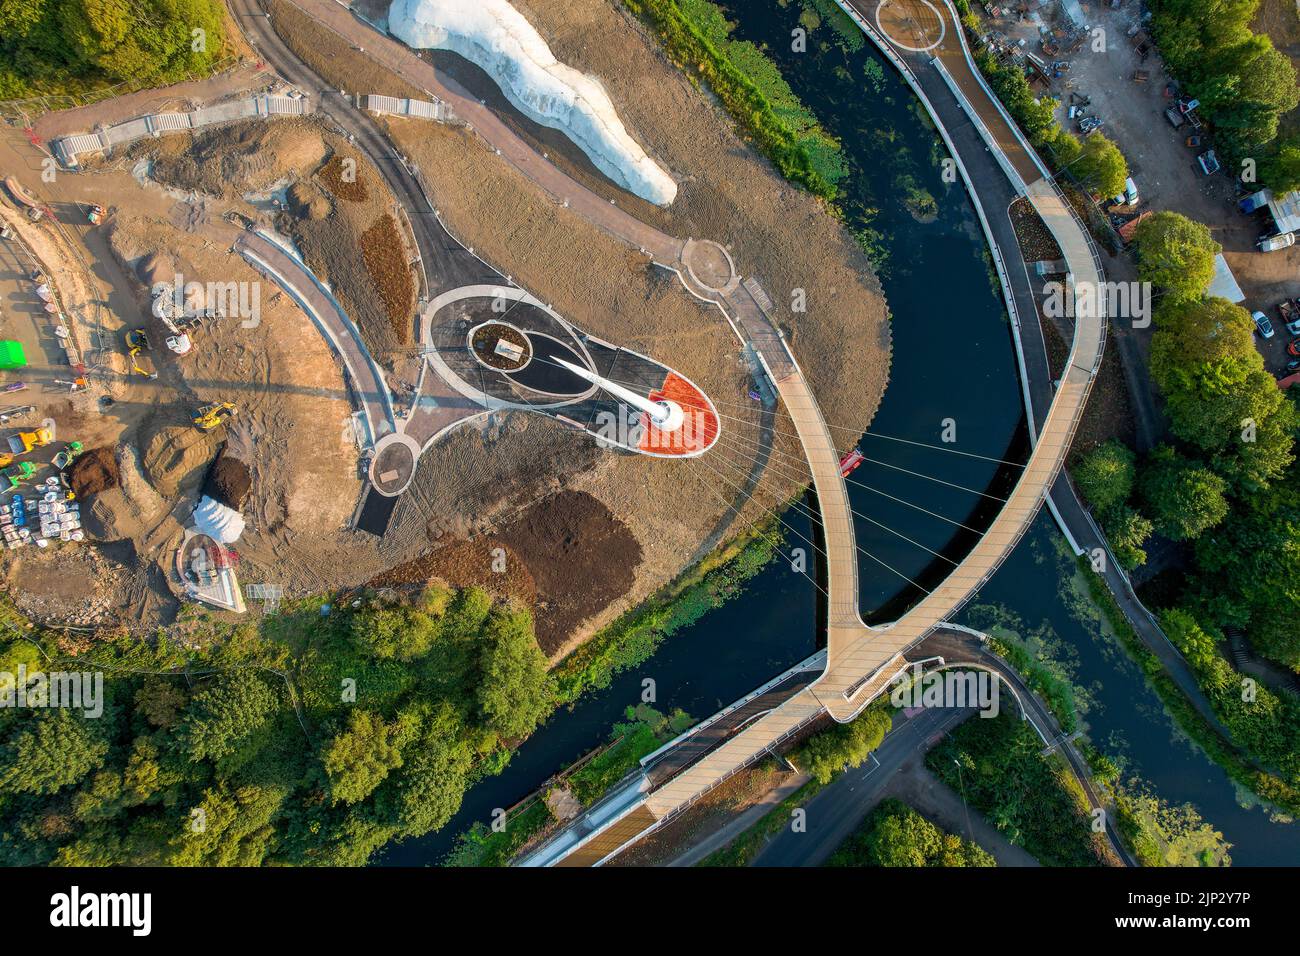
(838, 808)
(447, 264)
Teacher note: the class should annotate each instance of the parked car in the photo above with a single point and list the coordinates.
(1293, 347)
(1129, 197)
(1263, 324)
(1282, 240)
(1208, 161)
(1293, 366)
(1290, 313)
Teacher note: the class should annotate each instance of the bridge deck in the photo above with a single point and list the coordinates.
(859, 656)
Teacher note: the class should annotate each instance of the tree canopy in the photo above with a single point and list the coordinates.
(1176, 254)
(1100, 166)
(56, 46)
(1183, 497)
(306, 738)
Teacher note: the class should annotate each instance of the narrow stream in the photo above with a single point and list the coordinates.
(954, 365)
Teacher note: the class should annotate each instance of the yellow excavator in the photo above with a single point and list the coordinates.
(137, 342)
(210, 416)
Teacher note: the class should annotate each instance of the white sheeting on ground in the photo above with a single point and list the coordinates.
(220, 523)
(1224, 284)
(496, 37)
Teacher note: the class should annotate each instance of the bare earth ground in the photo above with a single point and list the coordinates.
(596, 532)
(1165, 169)
(727, 193)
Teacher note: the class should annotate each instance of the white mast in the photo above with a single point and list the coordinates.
(667, 415)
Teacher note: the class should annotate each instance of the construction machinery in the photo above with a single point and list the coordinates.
(137, 342)
(18, 474)
(24, 442)
(210, 416)
(64, 457)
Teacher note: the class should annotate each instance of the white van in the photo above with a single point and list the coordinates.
(1274, 243)
(1129, 197)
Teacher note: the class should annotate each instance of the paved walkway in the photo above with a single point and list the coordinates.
(289, 273)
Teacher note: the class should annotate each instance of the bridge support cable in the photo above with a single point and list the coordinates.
(858, 514)
(860, 433)
(863, 484)
(799, 477)
(859, 548)
(909, 471)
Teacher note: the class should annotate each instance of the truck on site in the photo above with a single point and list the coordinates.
(23, 442)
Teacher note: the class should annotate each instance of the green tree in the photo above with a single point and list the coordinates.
(1176, 254)
(896, 835)
(1105, 475)
(1127, 531)
(358, 759)
(228, 717)
(1100, 166)
(824, 754)
(1184, 498)
(514, 691)
(1280, 167)
(1218, 395)
(394, 632)
(52, 749)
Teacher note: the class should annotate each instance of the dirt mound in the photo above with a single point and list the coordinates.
(125, 511)
(228, 481)
(243, 156)
(307, 202)
(175, 456)
(93, 471)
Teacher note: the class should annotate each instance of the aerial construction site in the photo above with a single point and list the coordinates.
(300, 328)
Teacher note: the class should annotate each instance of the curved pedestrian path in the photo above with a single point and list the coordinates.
(925, 42)
(289, 272)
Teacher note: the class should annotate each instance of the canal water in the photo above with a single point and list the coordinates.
(954, 374)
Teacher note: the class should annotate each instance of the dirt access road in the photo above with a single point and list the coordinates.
(1166, 172)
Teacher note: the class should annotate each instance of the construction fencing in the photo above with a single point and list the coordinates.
(69, 149)
(438, 111)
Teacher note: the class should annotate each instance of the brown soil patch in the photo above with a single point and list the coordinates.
(332, 174)
(567, 556)
(579, 554)
(382, 247)
(228, 481)
(1036, 241)
(93, 471)
(485, 344)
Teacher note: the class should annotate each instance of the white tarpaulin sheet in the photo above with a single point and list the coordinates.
(223, 525)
